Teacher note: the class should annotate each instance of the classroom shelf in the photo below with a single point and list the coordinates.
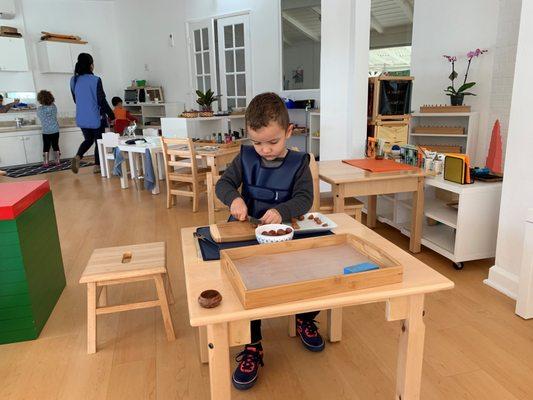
(439, 238)
(438, 135)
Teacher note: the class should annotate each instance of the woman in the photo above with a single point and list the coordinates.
(7, 107)
(91, 108)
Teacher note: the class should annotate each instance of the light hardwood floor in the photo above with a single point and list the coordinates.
(476, 347)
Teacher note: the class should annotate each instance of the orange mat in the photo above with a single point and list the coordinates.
(374, 165)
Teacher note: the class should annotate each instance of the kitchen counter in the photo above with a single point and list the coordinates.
(35, 127)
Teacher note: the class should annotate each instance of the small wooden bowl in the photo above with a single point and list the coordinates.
(209, 298)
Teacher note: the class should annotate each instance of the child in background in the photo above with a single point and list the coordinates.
(276, 186)
(122, 116)
(47, 114)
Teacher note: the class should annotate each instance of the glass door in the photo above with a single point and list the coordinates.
(202, 56)
(234, 57)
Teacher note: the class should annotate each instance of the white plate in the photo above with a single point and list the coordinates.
(310, 226)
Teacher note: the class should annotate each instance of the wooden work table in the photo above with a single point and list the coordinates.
(349, 181)
(228, 324)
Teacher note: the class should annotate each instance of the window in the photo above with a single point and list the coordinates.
(202, 55)
(300, 31)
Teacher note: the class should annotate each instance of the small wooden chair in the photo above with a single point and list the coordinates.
(323, 202)
(188, 180)
(118, 265)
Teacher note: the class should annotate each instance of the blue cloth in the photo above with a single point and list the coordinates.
(84, 90)
(48, 117)
(264, 187)
(149, 176)
(119, 159)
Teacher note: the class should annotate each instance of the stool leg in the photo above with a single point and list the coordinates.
(202, 343)
(292, 325)
(91, 318)
(163, 303)
(170, 295)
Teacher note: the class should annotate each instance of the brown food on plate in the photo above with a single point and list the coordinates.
(318, 221)
(280, 232)
(295, 225)
(287, 231)
(311, 216)
(324, 224)
(272, 232)
(265, 233)
(301, 218)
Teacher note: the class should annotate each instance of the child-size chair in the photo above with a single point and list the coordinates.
(109, 142)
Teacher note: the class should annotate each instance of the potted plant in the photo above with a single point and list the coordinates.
(457, 95)
(205, 100)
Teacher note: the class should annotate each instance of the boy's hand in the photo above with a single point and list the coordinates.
(238, 209)
(272, 216)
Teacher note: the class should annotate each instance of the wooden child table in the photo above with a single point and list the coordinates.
(349, 181)
(229, 323)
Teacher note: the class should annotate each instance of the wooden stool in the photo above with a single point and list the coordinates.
(117, 265)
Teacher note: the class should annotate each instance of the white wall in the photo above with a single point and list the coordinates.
(517, 192)
(93, 21)
(503, 70)
(143, 29)
(344, 78)
(454, 27)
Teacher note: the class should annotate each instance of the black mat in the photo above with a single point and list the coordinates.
(211, 249)
(36, 169)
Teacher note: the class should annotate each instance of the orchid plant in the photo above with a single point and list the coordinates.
(462, 91)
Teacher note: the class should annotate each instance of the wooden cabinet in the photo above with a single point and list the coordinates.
(14, 57)
(59, 57)
(392, 134)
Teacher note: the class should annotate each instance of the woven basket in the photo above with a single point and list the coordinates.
(189, 114)
(206, 114)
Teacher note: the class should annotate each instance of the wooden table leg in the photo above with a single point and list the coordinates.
(411, 351)
(335, 324)
(219, 367)
(163, 303)
(371, 211)
(417, 217)
(202, 344)
(338, 198)
(91, 318)
(291, 321)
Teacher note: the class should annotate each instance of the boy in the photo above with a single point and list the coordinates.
(122, 116)
(276, 186)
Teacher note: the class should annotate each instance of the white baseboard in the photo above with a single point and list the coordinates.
(503, 281)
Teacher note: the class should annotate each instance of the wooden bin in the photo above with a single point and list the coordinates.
(276, 273)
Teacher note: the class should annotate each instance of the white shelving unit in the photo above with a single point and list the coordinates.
(314, 126)
(469, 121)
(463, 234)
(149, 114)
(201, 127)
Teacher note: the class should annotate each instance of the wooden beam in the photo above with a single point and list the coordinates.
(374, 24)
(407, 8)
(300, 27)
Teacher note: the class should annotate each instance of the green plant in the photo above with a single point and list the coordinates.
(206, 99)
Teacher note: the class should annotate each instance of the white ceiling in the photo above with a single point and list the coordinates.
(303, 23)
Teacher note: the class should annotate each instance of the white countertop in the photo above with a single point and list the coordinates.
(34, 127)
(438, 181)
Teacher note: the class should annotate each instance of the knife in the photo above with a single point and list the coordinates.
(254, 221)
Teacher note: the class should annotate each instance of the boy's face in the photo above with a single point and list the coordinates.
(269, 141)
(119, 104)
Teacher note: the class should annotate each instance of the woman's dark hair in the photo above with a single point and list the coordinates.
(83, 66)
(115, 100)
(45, 98)
(1, 97)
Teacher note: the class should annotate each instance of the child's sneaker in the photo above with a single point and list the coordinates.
(308, 332)
(249, 360)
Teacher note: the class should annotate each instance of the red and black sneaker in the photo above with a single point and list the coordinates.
(249, 360)
(308, 332)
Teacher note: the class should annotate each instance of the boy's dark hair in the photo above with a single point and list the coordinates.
(264, 109)
(45, 98)
(115, 100)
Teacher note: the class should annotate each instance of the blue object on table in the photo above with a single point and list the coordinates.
(362, 267)
(119, 159)
(149, 176)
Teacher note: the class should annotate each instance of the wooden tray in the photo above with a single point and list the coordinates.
(440, 130)
(442, 148)
(277, 273)
(443, 109)
(234, 231)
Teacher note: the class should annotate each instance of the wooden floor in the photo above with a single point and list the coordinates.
(476, 347)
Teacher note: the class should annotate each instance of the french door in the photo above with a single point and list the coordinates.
(233, 35)
(202, 56)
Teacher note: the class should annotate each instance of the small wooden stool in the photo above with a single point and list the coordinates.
(117, 265)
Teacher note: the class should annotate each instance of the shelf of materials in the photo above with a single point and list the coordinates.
(438, 135)
(315, 137)
(314, 126)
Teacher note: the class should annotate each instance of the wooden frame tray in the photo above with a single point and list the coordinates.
(276, 273)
